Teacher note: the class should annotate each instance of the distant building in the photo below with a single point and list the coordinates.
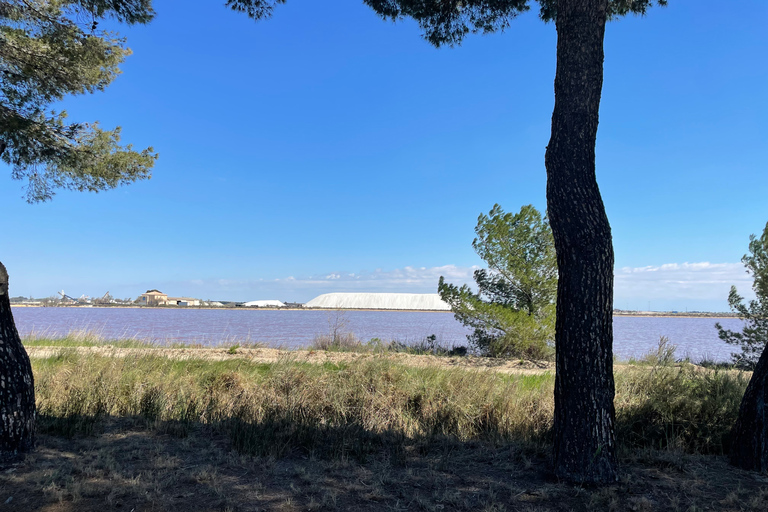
(158, 298)
(152, 298)
(182, 301)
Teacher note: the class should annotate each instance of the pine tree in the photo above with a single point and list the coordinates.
(513, 311)
(750, 434)
(584, 438)
(754, 336)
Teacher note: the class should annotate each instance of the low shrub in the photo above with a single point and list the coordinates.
(346, 341)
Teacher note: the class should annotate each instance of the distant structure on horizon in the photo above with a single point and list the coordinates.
(401, 301)
(158, 298)
(263, 304)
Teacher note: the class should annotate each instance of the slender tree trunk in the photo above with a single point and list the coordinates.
(750, 434)
(585, 447)
(17, 390)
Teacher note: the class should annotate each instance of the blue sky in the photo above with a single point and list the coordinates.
(326, 150)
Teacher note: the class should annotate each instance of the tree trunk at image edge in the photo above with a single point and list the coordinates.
(750, 434)
(584, 439)
(17, 391)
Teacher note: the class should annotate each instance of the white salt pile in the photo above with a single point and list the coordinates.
(264, 304)
(414, 301)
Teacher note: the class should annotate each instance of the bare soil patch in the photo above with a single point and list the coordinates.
(272, 355)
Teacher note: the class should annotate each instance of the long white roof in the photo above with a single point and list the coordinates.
(417, 301)
(264, 304)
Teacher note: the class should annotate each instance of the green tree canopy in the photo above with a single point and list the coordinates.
(754, 336)
(513, 311)
(50, 49)
(447, 22)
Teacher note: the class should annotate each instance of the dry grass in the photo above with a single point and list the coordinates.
(361, 404)
(271, 409)
(149, 432)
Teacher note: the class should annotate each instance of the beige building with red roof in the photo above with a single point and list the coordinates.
(158, 298)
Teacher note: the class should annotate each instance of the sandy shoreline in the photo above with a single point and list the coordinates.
(273, 355)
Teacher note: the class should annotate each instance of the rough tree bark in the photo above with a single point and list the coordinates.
(17, 391)
(584, 439)
(750, 434)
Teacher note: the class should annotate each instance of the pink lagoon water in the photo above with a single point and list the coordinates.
(633, 336)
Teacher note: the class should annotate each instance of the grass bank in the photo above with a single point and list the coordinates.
(369, 432)
(353, 408)
(329, 410)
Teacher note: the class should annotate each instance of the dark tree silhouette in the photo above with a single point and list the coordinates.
(17, 390)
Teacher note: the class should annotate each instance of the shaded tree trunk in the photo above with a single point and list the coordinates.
(17, 391)
(750, 434)
(584, 439)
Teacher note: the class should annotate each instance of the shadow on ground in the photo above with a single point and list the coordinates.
(128, 467)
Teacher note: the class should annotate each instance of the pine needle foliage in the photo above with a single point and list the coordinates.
(754, 336)
(50, 49)
(447, 22)
(513, 311)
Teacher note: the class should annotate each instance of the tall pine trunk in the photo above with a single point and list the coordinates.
(750, 434)
(17, 391)
(584, 439)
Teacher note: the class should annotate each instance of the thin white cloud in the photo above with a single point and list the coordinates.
(681, 281)
(407, 280)
(699, 285)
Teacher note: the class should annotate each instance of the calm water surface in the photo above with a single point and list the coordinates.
(633, 336)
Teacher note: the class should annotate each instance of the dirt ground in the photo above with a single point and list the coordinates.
(272, 355)
(129, 468)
